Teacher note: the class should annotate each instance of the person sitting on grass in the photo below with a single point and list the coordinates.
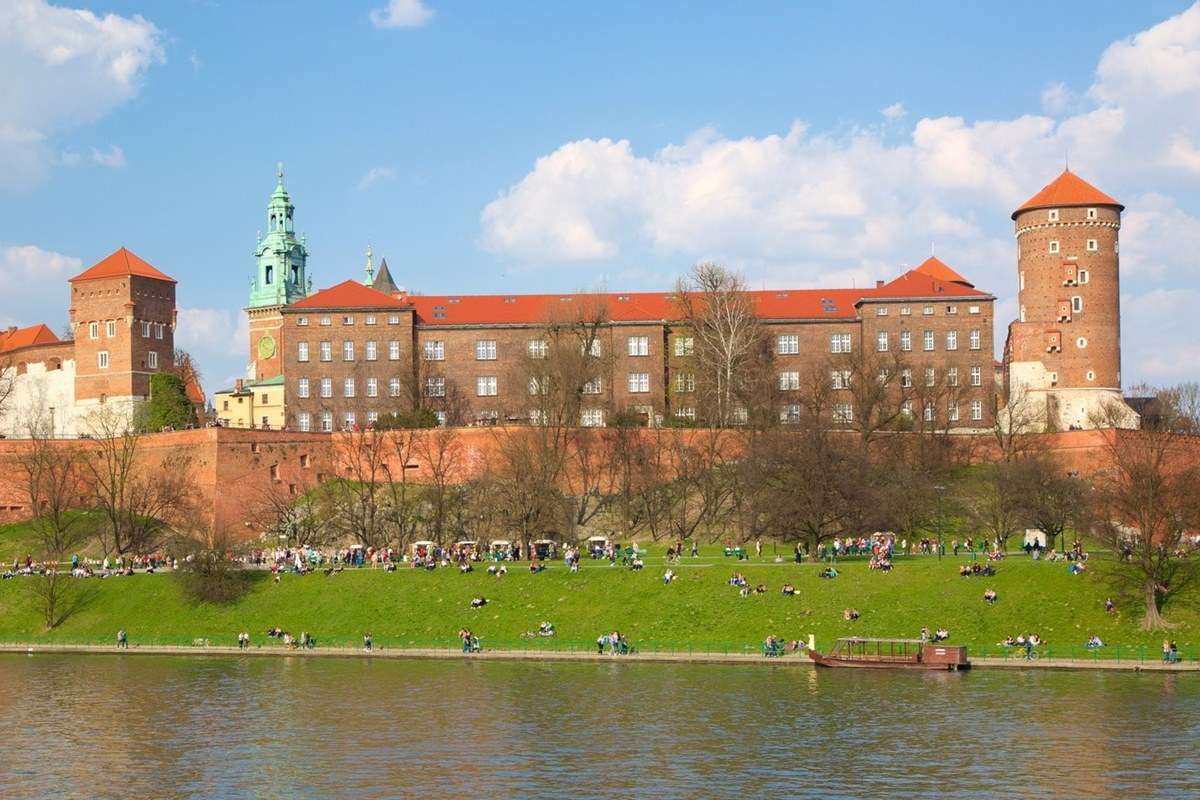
(464, 566)
(850, 614)
(789, 590)
(989, 596)
(744, 591)
(546, 629)
(738, 579)
(1075, 568)
(536, 566)
(942, 635)
(828, 572)
(1009, 641)
(1093, 642)
(760, 589)
(479, 602)
(1109, 606)
(636, 564)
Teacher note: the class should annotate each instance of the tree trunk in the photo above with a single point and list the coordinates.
(1153, 619)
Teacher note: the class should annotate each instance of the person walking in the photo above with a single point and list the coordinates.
(695, 549)
(122, 639)
(758, 548)
(368, 640)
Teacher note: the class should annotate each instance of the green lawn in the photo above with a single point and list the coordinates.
(699, 610)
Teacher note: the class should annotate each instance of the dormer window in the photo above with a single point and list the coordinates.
(1052, 216)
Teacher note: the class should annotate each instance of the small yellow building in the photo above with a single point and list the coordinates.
(252, 404)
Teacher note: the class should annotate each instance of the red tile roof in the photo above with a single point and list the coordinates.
(120, 263)
(935, 268)
(772, 304)
(1068, 189)
(14, 338)
(348, 294)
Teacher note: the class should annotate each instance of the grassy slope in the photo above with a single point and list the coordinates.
(699, 610)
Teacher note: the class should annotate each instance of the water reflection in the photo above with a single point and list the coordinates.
(149, 726)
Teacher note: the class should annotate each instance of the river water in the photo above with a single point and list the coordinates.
(216, 727)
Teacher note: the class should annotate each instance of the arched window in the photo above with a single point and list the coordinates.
(270, 273)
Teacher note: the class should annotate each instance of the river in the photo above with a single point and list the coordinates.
(216, 727)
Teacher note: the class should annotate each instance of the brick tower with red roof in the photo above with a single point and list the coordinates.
(123, 320)
(1063, 354)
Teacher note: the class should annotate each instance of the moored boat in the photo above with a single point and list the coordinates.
(892, 654)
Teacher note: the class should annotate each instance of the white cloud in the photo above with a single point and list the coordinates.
(61, 68)
(375, 175)
(401, 14)
(894, 112)
(1158, 339)
(113, 157)
(1057, 98)
(20, 263)
(1159, 239)
(215, 338)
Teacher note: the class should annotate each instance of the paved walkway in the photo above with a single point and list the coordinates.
(552, 655)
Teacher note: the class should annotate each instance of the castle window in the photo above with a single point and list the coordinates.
(327, 421)
(348, 420)
(1091, 376)
(685, 345)
(976, 410)
(1021, 280)
(393, 387)
(158, 330)
(1052, 216)
(1054, 247)
(302, 351)
(952, 412)
(881, 311)
(152, 360)
(102, 359)
(326, 321)
(372, 387)
(305, 424)
(485, 350)
(393, 319)
(394, 350)
(441, 418)
(843, 413)
(348, 387)
(370, 320)
(976, 376)
(110, 329)
(302, 388)
(1022, 313)
(347, 320)
(930, 376)
(975, 338)
(1116, 247)
(905, 311)
(1076, 304)
(927, 341)
(1091, 213)
(372, 350)
(789, 381)
(434, 386)
(434, 351)
(1053, 377)
(270, 274)
(839, 343)
(881, 342)
(906, 341)
(93, 330)
(639, 382)
(372, 417)
(952, 376)
(1084, 276)
(684, 382)
(639, 345)
(348, 350)
(1081, 342)
(927, 311)
(1093, 246)
(906, 378)
(951, 340)
(787, 344)
(928, 411)
(327, 351)
(591, 418)
(485, 386)
(537, 348)
(951, 309)
(301, 320)
(326, 387)
(145, 330)
(838, 378)
(304, 460)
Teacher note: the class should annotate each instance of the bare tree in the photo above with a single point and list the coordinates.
(715, 305)
(137, 501)
(442, 452)
(872, 387)
(993, 502)
(296, 511)
(1144, 504)
(1015, 419)
(1052, 499)
(372, 502)
(8, 382)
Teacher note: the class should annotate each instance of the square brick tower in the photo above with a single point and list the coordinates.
(123, 320)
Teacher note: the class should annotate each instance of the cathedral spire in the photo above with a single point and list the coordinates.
(370, 268)
(282, 259)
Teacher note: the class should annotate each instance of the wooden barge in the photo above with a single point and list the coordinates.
(892, 654)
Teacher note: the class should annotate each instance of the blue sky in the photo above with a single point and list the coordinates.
(563, 146)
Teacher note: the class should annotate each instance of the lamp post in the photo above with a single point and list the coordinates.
(941, 490)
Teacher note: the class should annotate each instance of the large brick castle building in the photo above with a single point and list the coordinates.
(121, 331)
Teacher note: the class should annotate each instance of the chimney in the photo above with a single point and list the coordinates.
(237, 386)
(878, 284)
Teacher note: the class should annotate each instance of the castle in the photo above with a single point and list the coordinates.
(342, 356)
(121, 331)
